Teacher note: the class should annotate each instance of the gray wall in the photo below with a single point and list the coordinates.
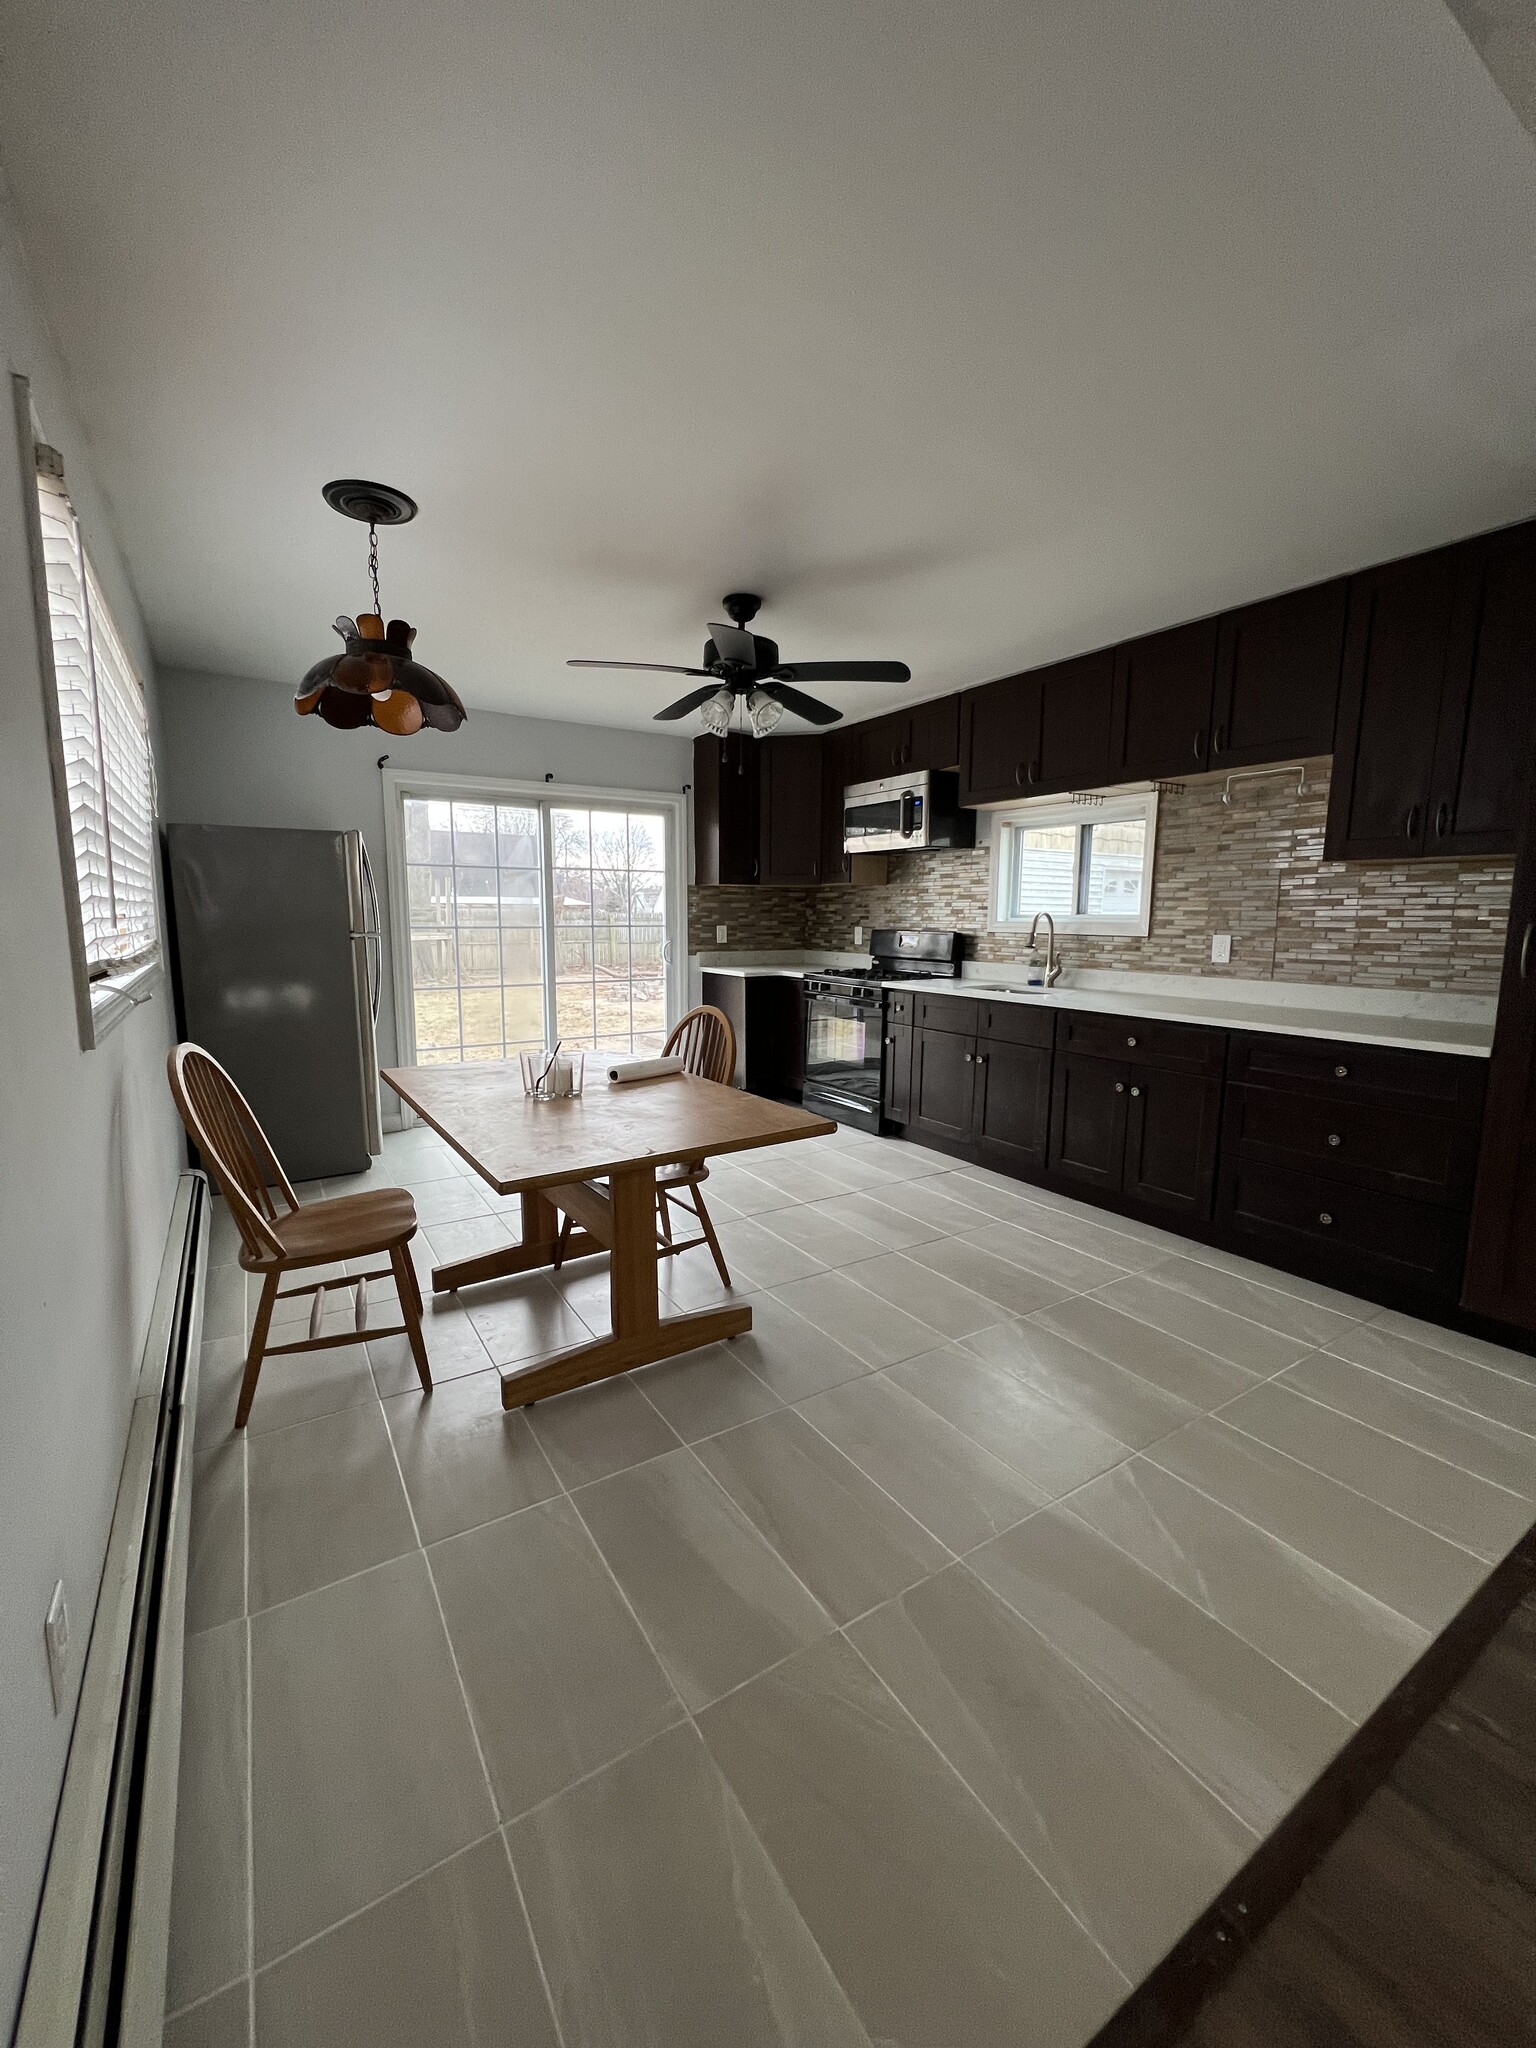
(236, 754)
(90, 1148)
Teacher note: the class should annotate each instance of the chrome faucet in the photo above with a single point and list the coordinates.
(1052, 962)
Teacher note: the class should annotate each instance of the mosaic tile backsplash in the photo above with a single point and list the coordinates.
(1254, 869)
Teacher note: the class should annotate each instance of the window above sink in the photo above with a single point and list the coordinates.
(1089, 864)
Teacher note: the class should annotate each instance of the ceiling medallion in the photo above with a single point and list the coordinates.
(374, 681)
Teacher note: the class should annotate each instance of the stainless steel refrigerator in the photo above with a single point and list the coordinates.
(278, 971)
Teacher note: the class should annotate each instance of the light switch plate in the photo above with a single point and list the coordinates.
(56, 1637)
(858, 935)
(721, 931)
(1221, 948)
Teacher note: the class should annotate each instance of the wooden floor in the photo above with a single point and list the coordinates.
(1418, 1928)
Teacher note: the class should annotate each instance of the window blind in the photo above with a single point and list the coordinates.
(109, 771)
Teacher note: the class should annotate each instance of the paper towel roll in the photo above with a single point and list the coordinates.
(645, 1070)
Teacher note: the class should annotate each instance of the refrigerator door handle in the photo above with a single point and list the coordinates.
(375, 929)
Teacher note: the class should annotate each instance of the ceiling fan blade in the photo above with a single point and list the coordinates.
(811, 709)
(692, 701)
(663, 668)
(732, 644)
(844, 672)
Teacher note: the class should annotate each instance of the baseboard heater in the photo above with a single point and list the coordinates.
(96, 1978)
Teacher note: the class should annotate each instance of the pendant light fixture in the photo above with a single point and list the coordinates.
(374, 681)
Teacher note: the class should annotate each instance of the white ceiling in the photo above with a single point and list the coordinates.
(968, 334)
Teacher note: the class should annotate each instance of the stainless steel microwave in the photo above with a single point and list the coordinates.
(901, 813)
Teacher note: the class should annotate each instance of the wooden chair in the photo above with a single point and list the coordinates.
(279, 1236)
(705, 1041)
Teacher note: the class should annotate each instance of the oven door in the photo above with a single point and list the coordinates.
(884, 823)
(843, 1045)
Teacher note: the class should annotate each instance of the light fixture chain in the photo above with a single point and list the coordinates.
(373, 566)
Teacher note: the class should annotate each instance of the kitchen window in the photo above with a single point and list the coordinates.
(1088, 864)
(104, 769)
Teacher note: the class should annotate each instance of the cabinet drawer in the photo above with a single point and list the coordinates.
(1430, 1158)
(1344, 1230)
(1144, 1042)
(899, 1006)
(1017, 1024)
(947, 1013)
(1446, 1084)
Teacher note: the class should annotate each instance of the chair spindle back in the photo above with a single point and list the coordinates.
(705, 1041)
(223, 1126)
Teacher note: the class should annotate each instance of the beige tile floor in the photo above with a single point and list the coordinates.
(912, 1670)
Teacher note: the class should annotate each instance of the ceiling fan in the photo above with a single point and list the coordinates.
(742, 664)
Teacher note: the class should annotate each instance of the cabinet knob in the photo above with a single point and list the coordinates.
(1325, 1218)
(1135, 1091)
(968, 1058)
(1130, 1041)
(981, 1059)
(1342, 1072)
(1334, 1138)
(1119, 1087)
(890, 1041)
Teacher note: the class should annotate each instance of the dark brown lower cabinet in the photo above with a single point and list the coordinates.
(1088, 1107)
(943, 1085)
(896, 1074)
(1141, 1133)
(1356, 1236)
(1012, 1104)
(1500, 1276)
(1171, 1131)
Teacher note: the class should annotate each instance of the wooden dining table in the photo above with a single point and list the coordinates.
(593, 1156)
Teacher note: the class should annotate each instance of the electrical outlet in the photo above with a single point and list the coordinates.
(56, 1637)
(721, 931)
(858, 935)
(1221, 949)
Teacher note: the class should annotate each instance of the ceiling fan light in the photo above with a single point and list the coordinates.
(764, 712)
(716, 714)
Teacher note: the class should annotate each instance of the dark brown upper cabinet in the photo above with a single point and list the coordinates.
(1277, 677)
(1501, 1255)
(839, 767)
(1000, 740)
(1396, 647)
(935, 740)
(925, 736)
(725, 809)
(1076, 701)
(789, 810)
(1161, 723)
(1486, 706)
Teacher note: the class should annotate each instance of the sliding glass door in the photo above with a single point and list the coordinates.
(531, 919)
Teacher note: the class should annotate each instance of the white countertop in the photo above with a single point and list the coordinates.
(1423, 1023)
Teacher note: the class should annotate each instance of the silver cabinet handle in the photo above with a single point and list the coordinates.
(1130, 1041)
(1525, 951)
(1334, 1138)
(1119, 1087)
(1135, 1091)
(1324, 1218)
(1342, 1072)
(1411, 828)
(968, 1058)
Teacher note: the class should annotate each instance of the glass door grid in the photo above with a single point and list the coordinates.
(484, 927)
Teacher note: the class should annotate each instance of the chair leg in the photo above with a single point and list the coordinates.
(561, 1242)
(405, 1287)
(411, 1275)
(701, 1210)
(664, 1215)
(253, 1357)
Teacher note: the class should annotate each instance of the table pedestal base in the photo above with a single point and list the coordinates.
(619, 1219)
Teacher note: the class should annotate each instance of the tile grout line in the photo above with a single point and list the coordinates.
(1391, 1436)
(1425, 1393)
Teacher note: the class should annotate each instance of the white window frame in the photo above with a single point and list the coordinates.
(399, 783)
(1050, 811)
(104, 992)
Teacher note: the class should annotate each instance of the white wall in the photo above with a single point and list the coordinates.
(236, 754)
(89, 1151)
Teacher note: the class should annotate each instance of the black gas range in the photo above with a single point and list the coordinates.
(845, 1020)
